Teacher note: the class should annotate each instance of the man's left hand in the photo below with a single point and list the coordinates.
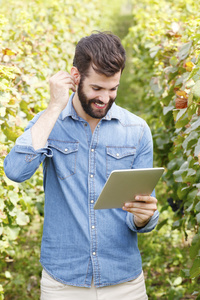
(143, 208)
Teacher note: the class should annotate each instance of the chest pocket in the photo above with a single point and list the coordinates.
(64, 157)
(119, 158)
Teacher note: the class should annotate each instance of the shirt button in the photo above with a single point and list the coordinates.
(93, 227)
(85, 124)
(117, 154)
(91, 176)
(66, 149)
(93, 253)
(92, 150)
(92, 201)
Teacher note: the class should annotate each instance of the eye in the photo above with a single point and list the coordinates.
(96, 88)
(114, 89)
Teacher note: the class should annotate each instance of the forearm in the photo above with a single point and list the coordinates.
(43, 127)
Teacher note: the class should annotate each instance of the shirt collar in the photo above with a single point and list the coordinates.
(69, 111)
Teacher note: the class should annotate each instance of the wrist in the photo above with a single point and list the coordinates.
(54, 109)
(140, 224)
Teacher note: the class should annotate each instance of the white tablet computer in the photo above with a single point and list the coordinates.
(123, 185)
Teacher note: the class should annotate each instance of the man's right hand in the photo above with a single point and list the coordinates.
(60, 84)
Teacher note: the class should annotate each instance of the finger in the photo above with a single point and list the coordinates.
(68, 80)
(72, 87)
(138, 211)
(62, 82)
(61, 73)
(141, 205)
(145, 198)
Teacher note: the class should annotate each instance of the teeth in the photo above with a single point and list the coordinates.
(101, 105)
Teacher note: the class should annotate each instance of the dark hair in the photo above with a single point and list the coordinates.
(103, 51)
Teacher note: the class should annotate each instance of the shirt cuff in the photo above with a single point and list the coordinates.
(147, 228)
(26, 139)
(24, 145)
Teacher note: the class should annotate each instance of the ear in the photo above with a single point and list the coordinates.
(75, 73)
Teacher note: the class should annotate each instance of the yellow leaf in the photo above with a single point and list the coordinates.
(189, 66)
(199, 158)
(182, 94)
(7, 51)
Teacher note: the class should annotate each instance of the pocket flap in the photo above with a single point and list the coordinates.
(63, 146)
(120, 152)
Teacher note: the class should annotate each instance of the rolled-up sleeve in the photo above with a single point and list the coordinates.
(147, 228)
(23, 160)
(144, 159)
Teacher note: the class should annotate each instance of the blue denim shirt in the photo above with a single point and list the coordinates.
(79, 242)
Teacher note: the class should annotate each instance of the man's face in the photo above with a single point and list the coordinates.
(97, 93)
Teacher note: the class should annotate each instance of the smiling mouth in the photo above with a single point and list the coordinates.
(98, 105)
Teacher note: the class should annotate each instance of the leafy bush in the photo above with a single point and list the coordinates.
(165, 43)
(37, 39)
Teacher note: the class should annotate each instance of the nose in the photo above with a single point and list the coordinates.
(104, 97)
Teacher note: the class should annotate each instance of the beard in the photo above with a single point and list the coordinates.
(87, 104)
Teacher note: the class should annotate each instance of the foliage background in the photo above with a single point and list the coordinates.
(162, 85)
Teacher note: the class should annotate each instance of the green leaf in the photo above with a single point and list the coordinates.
(184, 50)
(178, 175)
(191, 137)
(176, 224)
(192, 195)
(196, 89)
(8, 274)
(193, 126)
(181, 113)
(161, 224)
(185, 165)
(195, 270)
(13, 197)
(198, 219)
(197, 207)
(174, 61)
(194, 72)
(191, 172)
(11, 232)
(183, 191)
(156, 86)
(22, 218)
(153, 51)
(177, 281)
(195, 247)
(167, 109)
(183, 121)
(197, 148)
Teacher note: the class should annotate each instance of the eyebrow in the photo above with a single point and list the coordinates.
(100, 87)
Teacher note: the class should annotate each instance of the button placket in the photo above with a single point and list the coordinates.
(91, 199)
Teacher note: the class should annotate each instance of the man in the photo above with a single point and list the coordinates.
(87, 254)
